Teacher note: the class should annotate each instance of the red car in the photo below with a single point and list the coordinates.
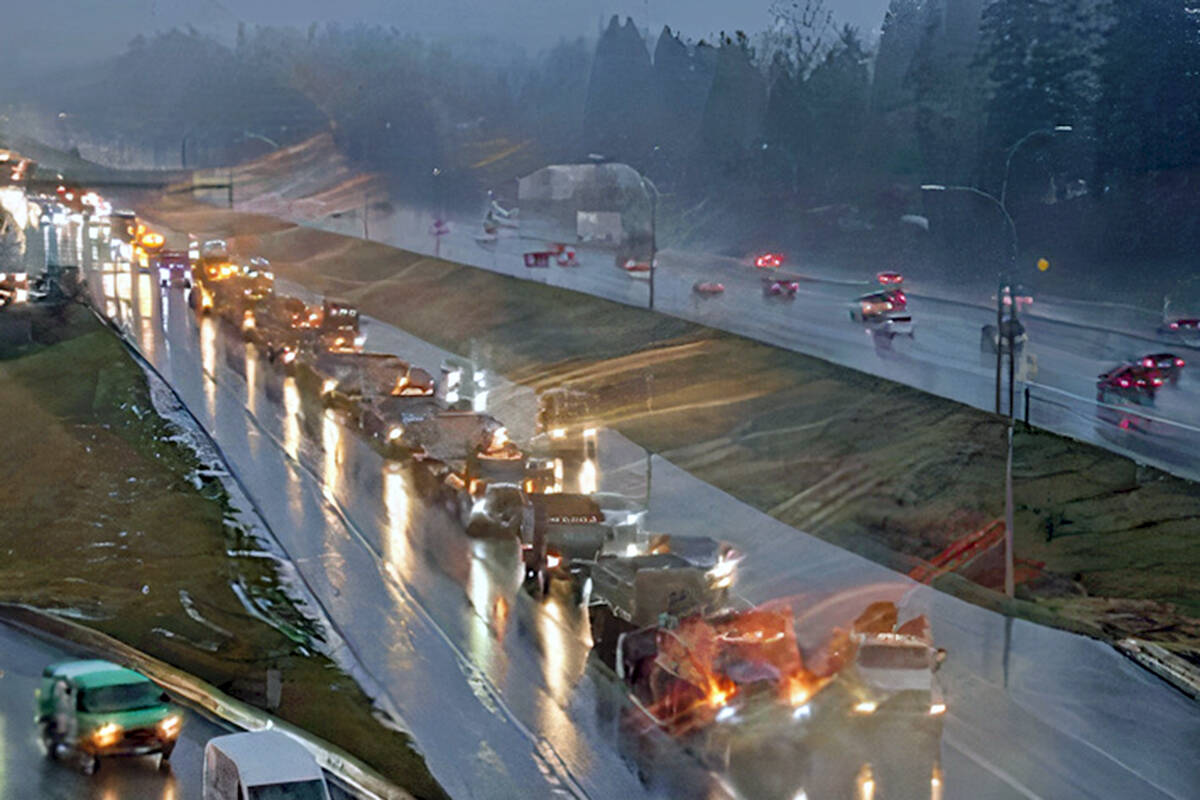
(769, 261)
(1129, 381)
(1167, 365)
(890, 278)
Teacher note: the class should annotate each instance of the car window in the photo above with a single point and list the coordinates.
(293, 790)
(119, 697)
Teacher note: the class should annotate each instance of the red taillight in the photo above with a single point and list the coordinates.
(1158, 381)
(1124, 382)
(1174, 326)
(1179, 362)
(1147, 362)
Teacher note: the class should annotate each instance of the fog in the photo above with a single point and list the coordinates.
(43, 35)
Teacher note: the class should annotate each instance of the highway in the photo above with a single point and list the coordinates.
(1070, 343)
(499, 689)
(26, 773)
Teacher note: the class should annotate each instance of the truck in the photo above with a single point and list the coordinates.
(96, 709)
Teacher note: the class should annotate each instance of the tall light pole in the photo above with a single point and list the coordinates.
(1002, 284)
(1009, 584)
(646, 182)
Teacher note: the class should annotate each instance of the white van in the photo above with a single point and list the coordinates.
(262, 765)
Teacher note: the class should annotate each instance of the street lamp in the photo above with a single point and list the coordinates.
(1009, 587)
(1012, 151)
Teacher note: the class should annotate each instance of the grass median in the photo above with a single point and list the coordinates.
(1103, 545)
(108, 518)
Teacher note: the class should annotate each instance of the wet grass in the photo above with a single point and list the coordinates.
(876, 467)
(105, 517)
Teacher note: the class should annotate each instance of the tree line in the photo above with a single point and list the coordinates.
(800, 132)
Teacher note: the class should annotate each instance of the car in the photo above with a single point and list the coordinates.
(990, 342)
(769, 261)
(1167, 364)
(780, 288)
(173, 268)
(97, 709)
(877, 304)
(1128, 382)
(636, 268)
(1182, 326)
(890, 278)
(708, 288)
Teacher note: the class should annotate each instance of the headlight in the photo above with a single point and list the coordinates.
(722, 573)
(107, 734)
(328, 386)
(936, 709)
(866, 707)
(169, 727)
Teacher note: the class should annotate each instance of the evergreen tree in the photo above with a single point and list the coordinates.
(897, 48)
(1148, 117)
(1038, 57)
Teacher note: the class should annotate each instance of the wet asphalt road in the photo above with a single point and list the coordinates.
(498, 689)
(1070, 342)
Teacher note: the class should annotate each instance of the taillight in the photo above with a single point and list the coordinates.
(1158, 381)
(1174, 326)
(1179, 362)
(1147, 362)
(1124, 382)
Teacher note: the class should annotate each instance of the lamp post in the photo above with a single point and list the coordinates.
(1000, 288)
(1009, 586)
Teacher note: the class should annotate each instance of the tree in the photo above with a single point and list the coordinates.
(898, 44)
(1149, 114)
(1039, 60)
(1148, 123)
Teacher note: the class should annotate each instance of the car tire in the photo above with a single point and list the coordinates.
(164, 755)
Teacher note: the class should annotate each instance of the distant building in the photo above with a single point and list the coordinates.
(605, 203)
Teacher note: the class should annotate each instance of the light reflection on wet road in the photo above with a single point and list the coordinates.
(478, 668)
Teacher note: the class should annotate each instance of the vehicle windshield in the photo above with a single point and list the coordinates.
(886, 657)
(120, 697)
(293, 790)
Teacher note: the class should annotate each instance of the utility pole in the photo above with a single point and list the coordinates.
(999, 335)
(1009, 587)
(1012, 359)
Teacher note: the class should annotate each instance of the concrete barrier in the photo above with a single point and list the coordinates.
(362, 779)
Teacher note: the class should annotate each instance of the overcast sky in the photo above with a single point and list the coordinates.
(73, 30)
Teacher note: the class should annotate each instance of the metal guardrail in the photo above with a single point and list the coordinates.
(362, 780)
